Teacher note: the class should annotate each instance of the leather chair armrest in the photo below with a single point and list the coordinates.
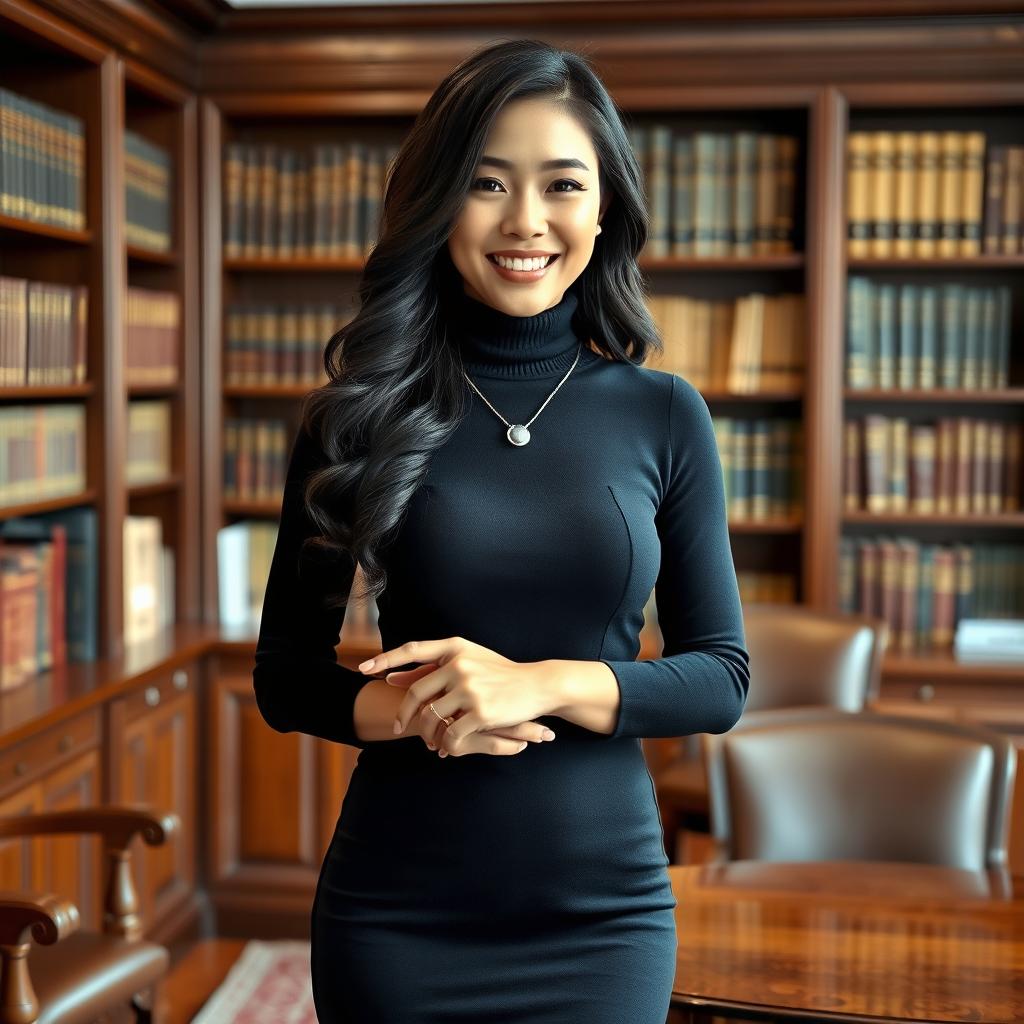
(49, 917)
(118, 826)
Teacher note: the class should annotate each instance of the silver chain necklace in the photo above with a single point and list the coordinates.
(519, 433)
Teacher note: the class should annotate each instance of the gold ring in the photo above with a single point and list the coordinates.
(447, 721)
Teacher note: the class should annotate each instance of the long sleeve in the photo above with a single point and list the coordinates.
(700, 682)
(298, 682)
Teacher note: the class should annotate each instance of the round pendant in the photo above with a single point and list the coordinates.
(518, 435)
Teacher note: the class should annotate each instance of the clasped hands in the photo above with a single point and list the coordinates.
(492, 699)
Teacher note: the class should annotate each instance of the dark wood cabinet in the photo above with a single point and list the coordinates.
(274, 802)
(58, 770)
(154, 749)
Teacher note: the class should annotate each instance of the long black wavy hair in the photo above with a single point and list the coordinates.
(396, 390)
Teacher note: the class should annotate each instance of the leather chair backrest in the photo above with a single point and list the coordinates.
(812, 783)
(802, 656)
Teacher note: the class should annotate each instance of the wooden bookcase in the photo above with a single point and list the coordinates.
(192, 77)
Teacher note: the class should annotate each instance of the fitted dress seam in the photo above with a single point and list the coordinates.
(629, 573)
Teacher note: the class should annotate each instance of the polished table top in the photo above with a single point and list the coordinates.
(849, 941)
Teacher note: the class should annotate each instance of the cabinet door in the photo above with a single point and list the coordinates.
(275, 796)
(73, 866)
(55, 770)
(21, 860)
(154, 745)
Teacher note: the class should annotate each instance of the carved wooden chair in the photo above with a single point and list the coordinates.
(78, 976)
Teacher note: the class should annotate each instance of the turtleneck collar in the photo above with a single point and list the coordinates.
(497, 344)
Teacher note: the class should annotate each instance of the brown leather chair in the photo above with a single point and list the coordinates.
(77, 976)
(798, 656)
(802, 784)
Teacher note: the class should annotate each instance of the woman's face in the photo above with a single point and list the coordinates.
(517, 206)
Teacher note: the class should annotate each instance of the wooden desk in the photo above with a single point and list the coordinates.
(848, 941)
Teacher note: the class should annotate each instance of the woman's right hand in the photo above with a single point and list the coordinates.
(506, 741)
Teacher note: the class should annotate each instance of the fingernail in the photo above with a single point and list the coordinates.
(523, 745)
(442, 753)
(366, 665)
(548, 734)
(398, 727)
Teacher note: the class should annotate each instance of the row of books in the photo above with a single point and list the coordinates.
(149, 441)
(148, 190)
(42, 162)
(762, 466)
(49, 612)
(717, 193)
(751, 343)
(755, 586)
(928, 336)
(279, 344)
(152, 336)
(148, 579)
(922, 591)
(955, 466)
(766, 587)
(43, 331)
(930, 193)
(245, 550)
(319, 202)
(255, 458)
(42, 451)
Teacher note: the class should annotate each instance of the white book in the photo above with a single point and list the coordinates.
(233, 598)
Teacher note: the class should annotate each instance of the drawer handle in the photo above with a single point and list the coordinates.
(20, 768)
(64, 744)
(152, 696)
(180, 679)
(925, 692)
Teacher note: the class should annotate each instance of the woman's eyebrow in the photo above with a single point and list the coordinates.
(547, 165)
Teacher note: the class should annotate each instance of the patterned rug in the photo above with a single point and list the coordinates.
(268, 984)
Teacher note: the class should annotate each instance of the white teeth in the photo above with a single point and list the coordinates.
(535, 263)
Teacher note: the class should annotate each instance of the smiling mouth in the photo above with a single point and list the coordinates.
(552, 260)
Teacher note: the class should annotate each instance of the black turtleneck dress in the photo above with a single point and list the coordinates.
(533, 887)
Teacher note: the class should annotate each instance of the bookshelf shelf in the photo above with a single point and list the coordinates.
(171, 483)
(985, 262)
(269, 391)
(31, 508)
(294, 265)
(755, 526)
(154, 390)
(44, 391)
(710, 395)
(781, 261)
(1006, 396)
(942, 665)
(141, 255)
(980, 519)
(28, 228)
(259, 509)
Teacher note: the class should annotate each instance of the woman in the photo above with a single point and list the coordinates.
(513, 484)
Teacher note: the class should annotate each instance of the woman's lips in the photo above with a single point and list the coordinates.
(522, 276)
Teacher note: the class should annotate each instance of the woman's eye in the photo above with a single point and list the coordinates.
(576, 186)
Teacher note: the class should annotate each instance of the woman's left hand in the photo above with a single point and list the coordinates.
(479, 688)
